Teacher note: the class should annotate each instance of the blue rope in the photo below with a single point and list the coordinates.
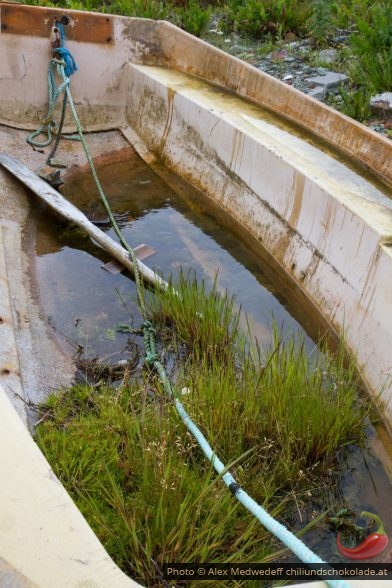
(279, 530)
(64, 54)
(276, 528)
(60, 27)
(70, 65)
(49, 126)
(273, 526)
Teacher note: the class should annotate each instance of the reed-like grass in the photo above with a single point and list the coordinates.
(137, 476)
(206, 323)
(141, 480)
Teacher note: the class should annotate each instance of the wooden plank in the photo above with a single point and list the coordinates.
(113, 267)
(37, 22)
(143, 251)
(71, 213)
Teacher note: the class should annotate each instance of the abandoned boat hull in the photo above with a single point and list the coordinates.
(327, 224)
(307, 182)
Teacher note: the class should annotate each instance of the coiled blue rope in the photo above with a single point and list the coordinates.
(49, 127)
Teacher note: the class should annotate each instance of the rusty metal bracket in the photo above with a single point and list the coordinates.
(55, 37)
(37, 21)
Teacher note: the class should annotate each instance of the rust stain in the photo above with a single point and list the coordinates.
(233, 148)
(279, 251)
(343, 218)
(298, 191)
(37, 22)
(237, 150)
(364, 228)
(371, 272)
(327, 222)
(241, 150)
(369, 306)
(170, 108)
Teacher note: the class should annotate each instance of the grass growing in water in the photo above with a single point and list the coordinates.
(139, 477)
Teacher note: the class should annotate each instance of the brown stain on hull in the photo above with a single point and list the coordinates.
(298, 191)
(170, 109)
(237, 151)
(83, 27)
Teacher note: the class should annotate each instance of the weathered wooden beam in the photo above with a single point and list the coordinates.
(67, 210)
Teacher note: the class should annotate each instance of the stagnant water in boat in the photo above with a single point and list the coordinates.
(84, 303)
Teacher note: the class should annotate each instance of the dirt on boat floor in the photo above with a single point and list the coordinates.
(33, 362)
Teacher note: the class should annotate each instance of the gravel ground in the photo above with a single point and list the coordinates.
(319, 73)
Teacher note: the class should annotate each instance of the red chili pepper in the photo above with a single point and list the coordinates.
(371, 546)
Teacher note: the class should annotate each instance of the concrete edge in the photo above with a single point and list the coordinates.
(146, 41)
(349, 137)
(44, 536)
(329, 238)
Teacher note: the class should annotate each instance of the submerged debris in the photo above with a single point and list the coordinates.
(95, 371)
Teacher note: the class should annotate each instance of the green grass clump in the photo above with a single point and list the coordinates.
(321, 21)
(356, 102)
(369, 63)
(265, 17)
(302, 408)
(278, 419)
(372, 49)
(136, 475)
(205, 322)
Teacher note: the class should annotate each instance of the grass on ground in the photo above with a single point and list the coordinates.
(279, 418)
